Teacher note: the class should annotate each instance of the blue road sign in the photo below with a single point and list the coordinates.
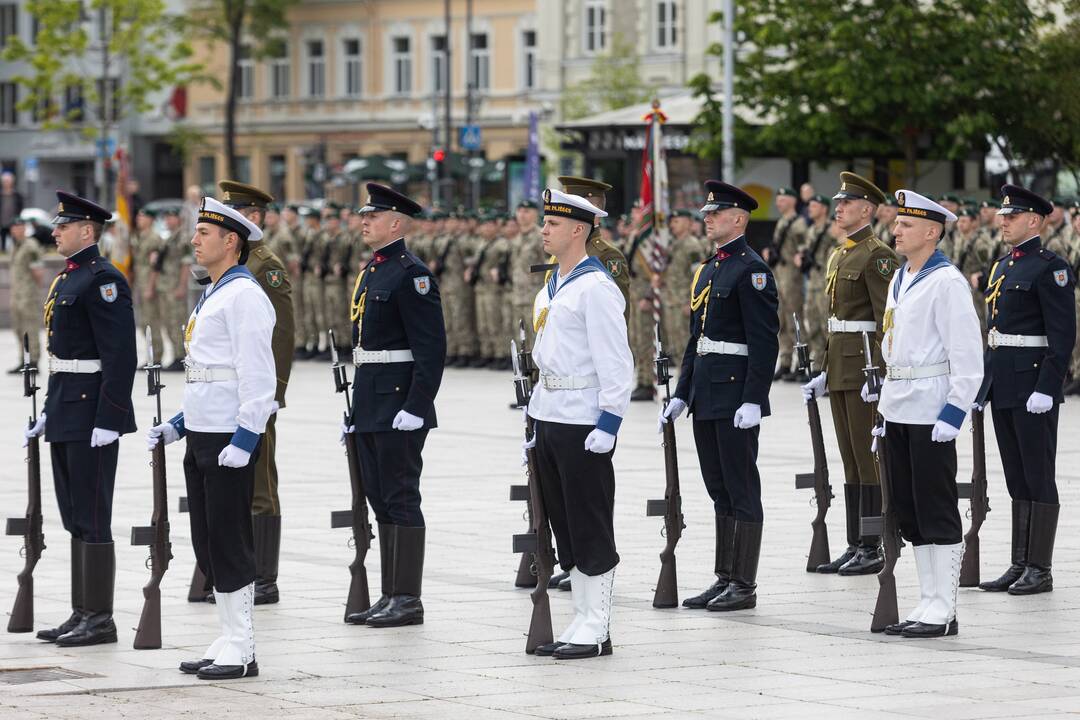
(469, 137)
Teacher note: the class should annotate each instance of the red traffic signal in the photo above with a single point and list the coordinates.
(438, 155)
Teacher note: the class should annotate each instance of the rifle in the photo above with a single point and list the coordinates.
(520, 493)
(357, 518)
(156, 535)
(29, 526)
(538, 540)
(819, 478)
(885, 611)
(667, 588)
(980, 502)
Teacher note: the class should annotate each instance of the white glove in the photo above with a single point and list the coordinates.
(346, 430)
(876, 432)
(407, 421)
(672, 411)
(814, 389)
(165, 431)
(866, 395)
(37, 429)
(943, 432)
(233, 457)
(977, 406)
(274, 407)
(748, 416)
(526, 446)
(100, 437)
(599, 442)
(1039, 403)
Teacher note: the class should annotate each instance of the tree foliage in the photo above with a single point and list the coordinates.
(614, 82)
(876, 78)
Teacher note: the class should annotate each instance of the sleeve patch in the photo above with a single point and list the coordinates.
(422, 284)
(759, 280)
(886, 266)
(274, 278)
(108, 292)
(1061, 277)
(614, 267)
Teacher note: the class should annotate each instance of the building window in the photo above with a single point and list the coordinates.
(316, 73)
(109, 99)
(354, 84)
(438, 64)
(44, 109)
(245, 81)
(401, 62)
(9, 22)
(243, 168)
(595, 26)
(528, 59)
(208, 174)
(280, 72)
(278, 171)
(667, 31)
(479, 62)
(8, 97)
(73, 103)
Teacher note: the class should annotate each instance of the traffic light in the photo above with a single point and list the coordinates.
(438, 155)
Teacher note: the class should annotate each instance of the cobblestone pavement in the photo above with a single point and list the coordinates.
(806, 651)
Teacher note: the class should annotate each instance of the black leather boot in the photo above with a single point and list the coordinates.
(851, 516)
(199, 590)
(191, 667)
(1021, 524)
(386, 551)
(724, 557)
(564, 584)
(556, 581)
(267, 533)
(869, 557)
(1037, 578)
(76, 596)
(404, 607)
(741, 590)
(99, 574)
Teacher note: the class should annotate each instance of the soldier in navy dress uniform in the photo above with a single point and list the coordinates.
(727, 370)
(399, 350)
(92, 359)
(1031, 322)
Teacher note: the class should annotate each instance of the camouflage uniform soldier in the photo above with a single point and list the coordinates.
(788, 236)
(169, 286)
(449, 267)
(316, 300)
(947, 245)
(310, 252)
(974, 256)
(27, 277)
(1057, 231)
(144, 242)
(857, 283)
(279, 236)
(686, 254)
(527, 250)
(1073, 258)
(813, 262)
(489, 256)
(643, 283)
(886, 216)
(990, 223)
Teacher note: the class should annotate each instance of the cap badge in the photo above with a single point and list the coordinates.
(61, 207)
(710, 197)
(901, 198)
(1007, 200)
(843, 187)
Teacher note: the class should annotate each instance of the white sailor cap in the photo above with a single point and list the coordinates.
(913, 204)
(217, 213)
(576, 207)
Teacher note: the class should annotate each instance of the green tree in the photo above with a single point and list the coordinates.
(242, 26)
(877, 78)
(614, 82)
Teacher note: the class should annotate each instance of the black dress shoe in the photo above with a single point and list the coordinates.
(698, 602)
(15, 370)
(360, 618)
(400, 610)
(928, 630)
(564, 584)
(736, 596)
(642, 393)
(266, 593)
(1035, 580)
(571, 651)
(555, 580)
(1004, 582)
(190, 667)
(898, 628)
(834, 567)
(548, 649)
(868, 560)
(229, 672)
(94, 629)
(64, 628)
(209, 597)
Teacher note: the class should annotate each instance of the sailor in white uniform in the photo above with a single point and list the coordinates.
(586, 377)
(932, 348)
(228, 397)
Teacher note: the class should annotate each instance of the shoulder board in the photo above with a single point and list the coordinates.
(406, 260)
(262, 252)
(1047, 255)
(100, 265)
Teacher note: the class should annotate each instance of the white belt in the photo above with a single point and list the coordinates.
(570, 382)
(82, 367)
(209, 375)
(851, 326)
(917, 373)
(371, 357)
(705, 346)
(996, 339)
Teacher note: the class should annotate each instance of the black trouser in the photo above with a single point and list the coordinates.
(390, 463)
(219, 505)
(579, 495)
(1028, 446)
(84, 477)
(728, 459)
(922, 474)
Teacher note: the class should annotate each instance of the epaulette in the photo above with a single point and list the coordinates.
(262, 252)
(100, 267)
(406, 260)
(1047, 255)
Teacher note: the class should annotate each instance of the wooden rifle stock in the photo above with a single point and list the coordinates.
(30, 525)
(980, 502)
(819, 478)
(543, 553)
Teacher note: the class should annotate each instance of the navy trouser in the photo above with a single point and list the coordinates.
(390, 463)
(728, 459)
(84, 477)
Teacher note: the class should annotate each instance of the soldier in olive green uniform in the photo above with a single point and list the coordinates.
(974, 254)
(27, 278)
(886, 216)
(449, 267)
(335, 244)
(279, 237)
(310, 253)
(144, 242)
(947, 244)
(645, 283)
(686, 253)
(788, 236)
(482, 275)
(290, 219)
(527, 250)
(273, 278)
(989, 223)
(613, 259)
(1057, 231)
(813, 260)
(857, 283)
(169, 285)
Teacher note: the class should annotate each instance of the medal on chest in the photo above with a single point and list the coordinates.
(887, 327)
